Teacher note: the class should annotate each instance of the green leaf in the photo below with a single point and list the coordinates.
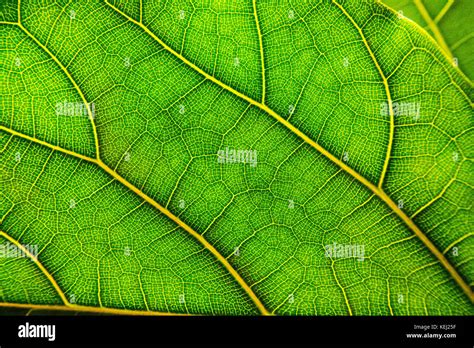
(445, 21)
(223, 157)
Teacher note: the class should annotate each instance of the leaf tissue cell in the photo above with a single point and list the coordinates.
(237, 157)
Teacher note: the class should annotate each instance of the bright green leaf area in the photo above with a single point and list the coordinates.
(362, 135)
(448, 22)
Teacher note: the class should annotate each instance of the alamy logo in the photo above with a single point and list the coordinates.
(343, 251)
(37, 331)
(66, 108)
(9, 250)
(237, 156)
(401, 109)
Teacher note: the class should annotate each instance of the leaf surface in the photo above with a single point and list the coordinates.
(362, 132)
(445, 21)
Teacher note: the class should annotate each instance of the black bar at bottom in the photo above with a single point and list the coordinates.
(453, 331)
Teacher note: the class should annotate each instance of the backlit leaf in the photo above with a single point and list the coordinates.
(232, 157)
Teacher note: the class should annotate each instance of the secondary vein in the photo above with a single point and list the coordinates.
(158, 206)
(260, 42)
(378, 191)
(387, 92)
(38, 264)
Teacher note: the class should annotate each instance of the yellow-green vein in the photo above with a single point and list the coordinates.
(375, 189)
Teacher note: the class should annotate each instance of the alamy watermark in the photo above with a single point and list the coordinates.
(9, 250)
(237, 156)
(410, 109)
(343, 251)
(28, 330)
(66, 108)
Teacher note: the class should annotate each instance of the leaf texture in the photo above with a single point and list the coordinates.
(445, 21)
(131, 209)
